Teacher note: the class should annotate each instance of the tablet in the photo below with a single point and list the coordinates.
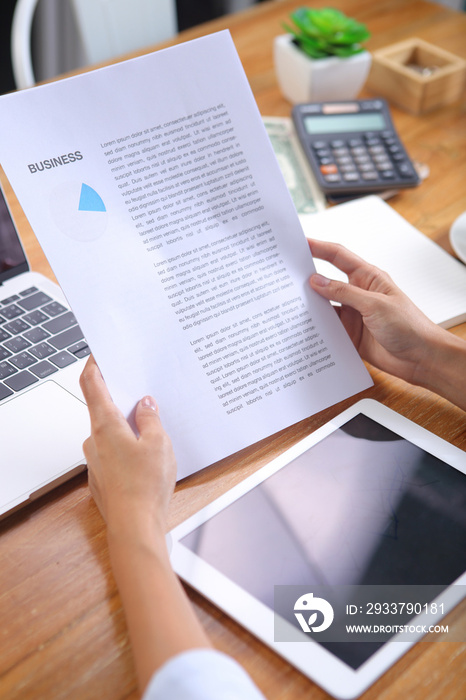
(364, 521)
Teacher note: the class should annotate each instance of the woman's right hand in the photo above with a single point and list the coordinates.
(388, 330)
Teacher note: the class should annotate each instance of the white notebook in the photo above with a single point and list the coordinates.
(433, 279)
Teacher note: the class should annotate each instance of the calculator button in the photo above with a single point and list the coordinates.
(373, 141)
(385, 165)
(362, 159)
(337, 143)
(375, 150)
(390, 141)
(398, 156)
(323, 153)
(370, 175)
(328, 169)
(349, 168)
(405, 170)
(366, 167)
(319, 144)
(340, 152)
(394, 149)
(350, 177)
(359, 151)
(381, 158)
(344, 160)
(387, 134)
(354, 143)
(388, 174)
(335, 177)
(326, 161)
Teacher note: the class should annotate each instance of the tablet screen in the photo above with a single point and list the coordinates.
(363, 506)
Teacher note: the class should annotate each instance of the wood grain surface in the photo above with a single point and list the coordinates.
(63, 632)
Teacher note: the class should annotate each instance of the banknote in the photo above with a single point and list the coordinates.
(305, 192)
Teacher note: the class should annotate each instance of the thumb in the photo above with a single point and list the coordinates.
(342, 292)
(147, 415)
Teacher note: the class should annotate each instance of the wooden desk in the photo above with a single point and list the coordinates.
(62, 631)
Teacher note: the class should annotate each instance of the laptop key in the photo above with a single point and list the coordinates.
(81, 349)
(10, 312)
(4, 392)
(54, 308)
(43, 369)
(6, 370)
(28, 291)
(56, 325)
(36, 335)
(63, 359)
(21, 380)
(16, 326)
(23, 360)
(17, 344)
(42, 350)
(35, 300)
(4, 335)
(72, 335)
(35, 317)
(4, 353)
(9, 300)
(84, 352)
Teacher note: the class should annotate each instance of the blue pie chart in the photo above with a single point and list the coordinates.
(78, 211)
(90, 200)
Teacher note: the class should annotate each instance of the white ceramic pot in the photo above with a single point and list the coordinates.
(305, 79)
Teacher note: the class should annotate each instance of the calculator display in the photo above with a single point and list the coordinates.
(345, 123)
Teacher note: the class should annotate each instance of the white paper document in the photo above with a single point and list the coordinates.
(156, 196)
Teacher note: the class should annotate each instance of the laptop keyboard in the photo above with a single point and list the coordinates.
(38, 337)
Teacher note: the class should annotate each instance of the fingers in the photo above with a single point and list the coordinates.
(360, 273)
(104, 415)
(338, 255)
(102, 410)
(343, 293)
(93, 387)
(147, 416)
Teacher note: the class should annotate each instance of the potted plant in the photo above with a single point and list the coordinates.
(322, 57)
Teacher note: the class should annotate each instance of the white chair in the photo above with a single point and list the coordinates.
(107, 28)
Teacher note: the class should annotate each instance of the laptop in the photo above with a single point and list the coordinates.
(43, 416)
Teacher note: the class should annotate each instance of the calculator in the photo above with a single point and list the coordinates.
(353, 147)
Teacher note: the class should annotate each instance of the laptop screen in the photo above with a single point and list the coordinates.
(12, 258)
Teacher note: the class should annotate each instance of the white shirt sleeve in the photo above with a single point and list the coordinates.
(201, 674)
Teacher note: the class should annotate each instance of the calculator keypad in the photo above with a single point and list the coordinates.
(371, 159)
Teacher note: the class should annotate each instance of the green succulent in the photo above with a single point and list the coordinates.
(327, 32)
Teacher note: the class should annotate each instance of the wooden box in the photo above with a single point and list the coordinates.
(417, 76)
